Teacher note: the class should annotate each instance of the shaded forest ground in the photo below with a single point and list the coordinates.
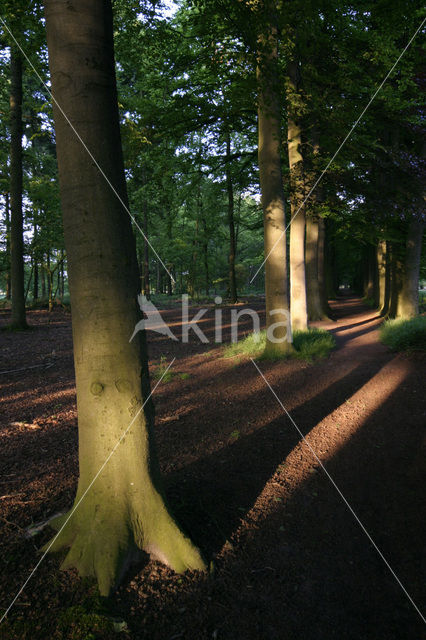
(291, 562)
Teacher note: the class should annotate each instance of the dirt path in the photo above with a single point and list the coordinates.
(291, 561)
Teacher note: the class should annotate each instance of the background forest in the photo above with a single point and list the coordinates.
(188, 105)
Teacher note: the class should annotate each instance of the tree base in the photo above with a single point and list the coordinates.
(104, 541)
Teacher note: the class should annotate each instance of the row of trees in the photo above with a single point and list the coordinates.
(200, 96)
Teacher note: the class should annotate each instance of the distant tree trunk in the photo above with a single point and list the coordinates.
(371, 289)
(271, 185)
(383, 276)
(408, 301)
(313, 293)
(298, 308)
(16, 234)
(395, 280)
(35, 261)
(146, 290)
(7, 212)
(322, 267)
(231, 225)
(62, 290)
(124, 510)
(43, 281)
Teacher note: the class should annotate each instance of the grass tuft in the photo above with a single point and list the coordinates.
(312, 344)
(404, 335)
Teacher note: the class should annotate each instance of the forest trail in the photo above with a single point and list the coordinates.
(291, 561)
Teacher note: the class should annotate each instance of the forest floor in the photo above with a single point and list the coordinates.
(291, 559)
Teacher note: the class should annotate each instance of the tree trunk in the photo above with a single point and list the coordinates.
(146, 284)
(271, 186)
(7, 212)
(408, 301)
(231, 225)
(298, 309)
(371, 289)
(313, 294)
(383, 277)
(395, 281)
(16, 231)
(35, 261)
(322, 267)
(124, 510)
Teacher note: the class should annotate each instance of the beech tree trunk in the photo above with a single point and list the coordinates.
(271, 186)
(383, 276)
(298, 308)
(124, 510)
(16, 228)
(7, 212)
(231, 224)
(313, 293)
(146, 289)
(408, 301)
(322, 267)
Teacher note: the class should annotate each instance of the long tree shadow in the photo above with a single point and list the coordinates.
(212, 494)
(307, 569)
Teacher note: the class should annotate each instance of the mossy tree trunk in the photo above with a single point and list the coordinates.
(271, 186)
(124, 510)
(408, 301)
(16, 226)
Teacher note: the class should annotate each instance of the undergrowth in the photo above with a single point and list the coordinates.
(312, 344)
(405, 335)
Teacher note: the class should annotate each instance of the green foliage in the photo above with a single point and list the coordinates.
(313, 344)
(404, 335)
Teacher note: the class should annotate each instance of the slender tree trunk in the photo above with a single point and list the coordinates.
(298, 308)
(146, 282)
(124, 510)
(7, 208)
(371, 290)
(313, 293)
(271, 185)
(35, 261)
(43, 281)
(232, 240)
(322, 267)
(408, 301)
(16, 232)
(395, 281)
(382, 269)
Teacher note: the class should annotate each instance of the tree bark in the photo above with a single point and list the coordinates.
(7, 212)
(271, 186)
(231, 224)
(298, 308)
(408, 301)
(124, 510)
(313, 293)
(395, 281)
(383, 276)
(16, 231)
(322, 268)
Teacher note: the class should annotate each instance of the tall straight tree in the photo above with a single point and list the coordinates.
(299, 316)
(271, 186)
(124, 510)
(16, 225)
